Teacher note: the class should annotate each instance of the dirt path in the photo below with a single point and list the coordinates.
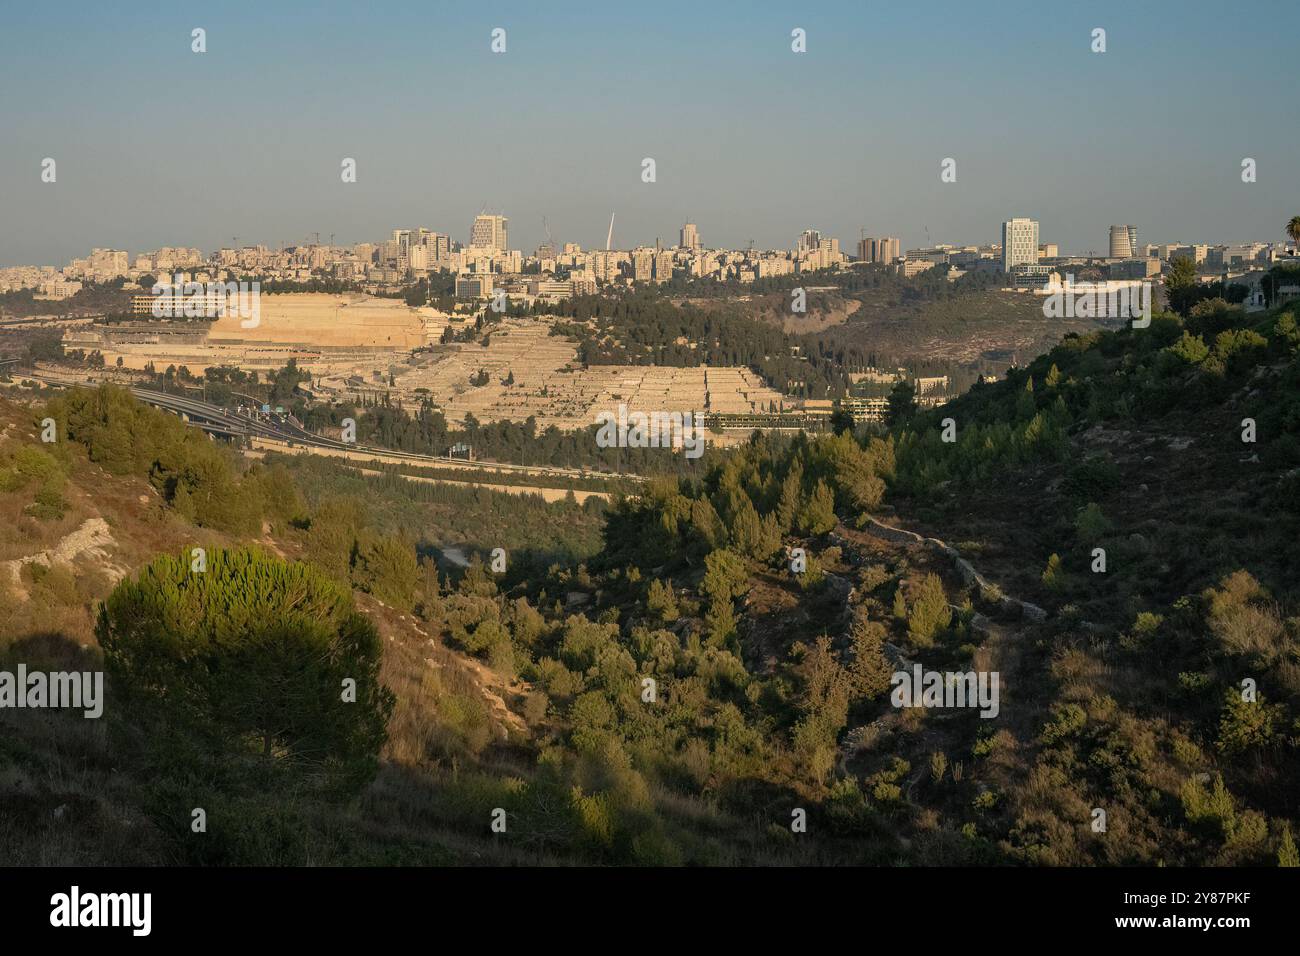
(1002, 649)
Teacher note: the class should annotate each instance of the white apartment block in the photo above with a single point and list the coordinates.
(1019, 243)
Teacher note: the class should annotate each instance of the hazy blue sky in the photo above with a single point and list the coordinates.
(157, 145)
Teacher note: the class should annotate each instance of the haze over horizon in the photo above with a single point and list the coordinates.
(159, 146)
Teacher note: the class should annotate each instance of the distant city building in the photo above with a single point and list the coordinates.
(663, 265)
(643, 264)
(1019, 243)
(1123, 242)
(1136, 268)
(1031, 276)
(810, 240)
(1197, 253)
(489, 232)
(1049, 250)
(474, 286)
(690, 237)
(879, 250)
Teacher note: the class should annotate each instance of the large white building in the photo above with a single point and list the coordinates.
(1019, 243)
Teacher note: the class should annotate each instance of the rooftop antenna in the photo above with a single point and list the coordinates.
(609, 238)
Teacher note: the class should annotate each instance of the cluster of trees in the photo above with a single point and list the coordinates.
(1183, 289)
(753, 498)
(198, 477)
(648, 691)
(1103, 376)
(928, 286)
(94, 297)
(425, 430)
(641, 328)
(339, 541)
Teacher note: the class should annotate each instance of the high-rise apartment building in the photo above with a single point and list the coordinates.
(663, 265)
(489, 232)
(690, 237)
(1019, 243)
(643, 264)
(885, 250)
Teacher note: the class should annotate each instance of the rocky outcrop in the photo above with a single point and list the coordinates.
(92, 540)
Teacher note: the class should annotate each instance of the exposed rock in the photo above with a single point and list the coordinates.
(91, 540)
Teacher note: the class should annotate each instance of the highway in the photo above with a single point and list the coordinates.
(278, 429)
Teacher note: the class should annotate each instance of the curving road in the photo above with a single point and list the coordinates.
(218, 421)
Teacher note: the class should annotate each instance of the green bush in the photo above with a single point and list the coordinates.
(253, 658)
(929, 615)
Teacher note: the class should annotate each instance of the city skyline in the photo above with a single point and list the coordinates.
(557, 127)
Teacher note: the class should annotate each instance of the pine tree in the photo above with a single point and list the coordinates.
(252, 657)
(1054, 575)
(661, 602)
(818, 515)
(791, 501)
(930, 614)
(1286, 851)
(869, 671)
